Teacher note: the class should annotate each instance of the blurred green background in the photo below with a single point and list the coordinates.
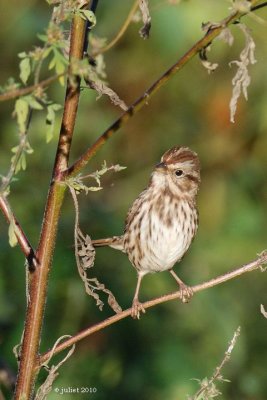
(158, 356)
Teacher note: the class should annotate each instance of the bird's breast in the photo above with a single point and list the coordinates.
(160, 234)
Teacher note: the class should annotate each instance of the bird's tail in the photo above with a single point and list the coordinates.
(116, 242)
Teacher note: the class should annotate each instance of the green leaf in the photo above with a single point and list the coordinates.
(50, 120)
(21, 110)
(59, 62)
(23, 54)
(47, 52)
(25, 69)
(60, 68)
(52, 63)
(18, 165)
(14, 149)
(23, 161)
(33, 103)
(11, 234)
(89, 16)
(28, 149)
(43, 38)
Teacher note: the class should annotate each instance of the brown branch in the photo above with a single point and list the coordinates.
(24, 243)
(13, 94)
(253, 265)
(257, 7)
(121, 31)
(39, 278)
(142, 101)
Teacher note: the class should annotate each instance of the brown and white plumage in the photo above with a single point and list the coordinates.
(163, 220)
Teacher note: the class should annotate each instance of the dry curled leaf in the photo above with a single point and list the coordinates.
(208, 26)
(226, 36)
(85, 256)
(145, 30)
(87, 251)
(85, 260)
(204, 60)
(93, 72)
(242, 79)
(243, 6)
(44, 390)
(102, 88)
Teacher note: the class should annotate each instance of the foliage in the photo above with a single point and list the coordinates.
(193, 110)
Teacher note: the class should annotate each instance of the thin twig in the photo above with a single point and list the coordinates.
(13, 94)
(208, 384)
(257, 7)
(6, 180)
(121, 31)
(143, 100)
(23, 241)
(253, 265)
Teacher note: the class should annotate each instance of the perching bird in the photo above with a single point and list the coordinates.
(162, 221)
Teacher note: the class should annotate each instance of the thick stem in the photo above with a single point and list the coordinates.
(44, 254)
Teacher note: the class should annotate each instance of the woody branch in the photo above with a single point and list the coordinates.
(212, 33)
(258, 263)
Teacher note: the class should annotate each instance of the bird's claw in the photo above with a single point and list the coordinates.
(137, 308)
(186, 293)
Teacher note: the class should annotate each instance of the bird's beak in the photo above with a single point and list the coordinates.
(161, 167)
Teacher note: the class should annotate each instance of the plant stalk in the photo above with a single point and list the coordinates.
(44, 253)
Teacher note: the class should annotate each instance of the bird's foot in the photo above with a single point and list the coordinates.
(137, 308)
(186, 292)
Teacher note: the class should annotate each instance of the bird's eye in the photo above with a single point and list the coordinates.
(178, 172)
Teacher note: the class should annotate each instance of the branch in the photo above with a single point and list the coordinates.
(24, 243)
(39, 279)
(257, 7)
(121, 31)
(253, 265)
(139, 103)
(208, 389)
(13, 94)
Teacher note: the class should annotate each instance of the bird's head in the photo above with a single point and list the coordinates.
(179, 169)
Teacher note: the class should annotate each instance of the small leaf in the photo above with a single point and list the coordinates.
(43, 38)
(118, 168)
(11, 234)
(25, 69)
(93, 188)
(89, 16)
(23, 161)
(60, 68)
(33, 103)
(21, 110)
(23, 54)
(144, 31)
(14, 149)
(50, 120)
(52, 63)
(47, 52)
